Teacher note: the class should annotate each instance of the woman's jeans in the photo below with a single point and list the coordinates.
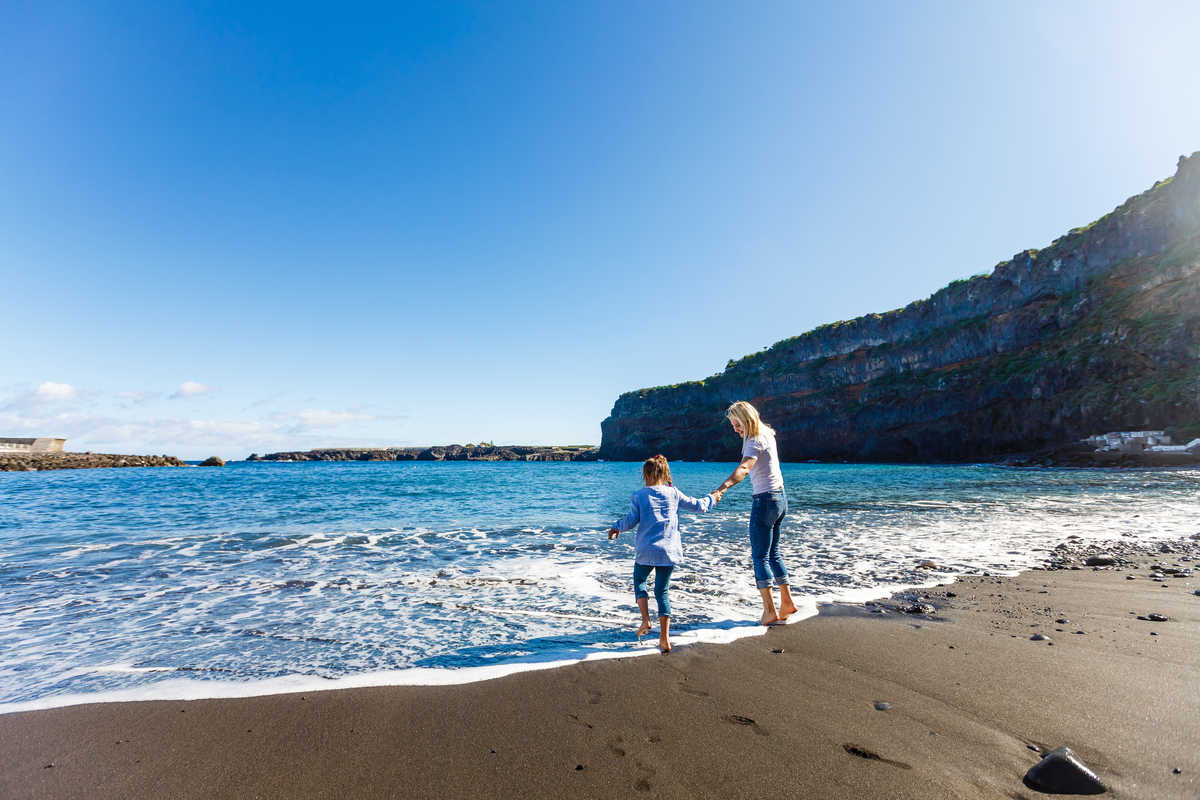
(766, 516)
(662, 575)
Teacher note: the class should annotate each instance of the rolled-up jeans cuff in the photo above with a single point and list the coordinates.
(782, 581)
(765, 584)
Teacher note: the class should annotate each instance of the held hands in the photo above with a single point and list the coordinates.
(613, 533)
(717, 494)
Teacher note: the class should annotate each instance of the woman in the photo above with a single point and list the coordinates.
(760, 460)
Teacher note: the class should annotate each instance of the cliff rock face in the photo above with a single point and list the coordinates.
(1100, 331)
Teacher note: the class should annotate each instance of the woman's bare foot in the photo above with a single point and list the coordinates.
(644, 628)
(664, 644)
(770, 615)
(786, 606)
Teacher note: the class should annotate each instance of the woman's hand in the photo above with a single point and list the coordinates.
(717, 494)
(613, 533)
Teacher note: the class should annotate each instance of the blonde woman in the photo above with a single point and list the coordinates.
(760, 460)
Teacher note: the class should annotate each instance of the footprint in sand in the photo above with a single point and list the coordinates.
(614, 745)
(645, 773)
(862, 752)
(737, 719)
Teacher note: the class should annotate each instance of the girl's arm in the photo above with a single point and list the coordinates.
(739, 474)
(702, 504)
(628, 522)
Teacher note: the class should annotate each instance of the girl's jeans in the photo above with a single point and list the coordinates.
(766, 516)
(662, 575)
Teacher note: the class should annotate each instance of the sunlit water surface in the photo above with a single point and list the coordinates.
(123, 583)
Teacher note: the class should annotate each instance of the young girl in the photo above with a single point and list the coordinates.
(655, 514)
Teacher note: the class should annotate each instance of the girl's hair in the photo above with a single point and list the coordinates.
(747, 415)
(656, 470)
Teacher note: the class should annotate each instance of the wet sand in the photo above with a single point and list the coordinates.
(792, 713)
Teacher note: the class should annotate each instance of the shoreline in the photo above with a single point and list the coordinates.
(794, 711)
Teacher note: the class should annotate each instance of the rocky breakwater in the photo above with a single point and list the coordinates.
(35, 462)
(451, 452)
(1098, 331)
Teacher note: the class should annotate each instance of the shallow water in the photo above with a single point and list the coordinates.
(122, 583)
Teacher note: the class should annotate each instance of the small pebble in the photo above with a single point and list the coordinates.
(1176, 771)
(882, 706)
(778, 650)
(1039, 637)
(1156, 617)
(578, 767)
(1062, 620)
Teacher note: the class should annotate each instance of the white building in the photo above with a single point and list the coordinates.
(41, 444)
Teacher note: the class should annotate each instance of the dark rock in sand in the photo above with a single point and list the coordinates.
(1101, 560)
(1062, 620)
(1039, 637)
(212, 461)
(1061, 772)
(920, 608)
(882, 706)
(1156, 618)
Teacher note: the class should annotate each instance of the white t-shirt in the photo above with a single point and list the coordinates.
(765, 475)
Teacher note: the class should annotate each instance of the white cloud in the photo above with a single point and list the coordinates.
(49, 392)
(192, 389)
(131, 432)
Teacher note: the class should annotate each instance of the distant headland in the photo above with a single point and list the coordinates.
(450, 452)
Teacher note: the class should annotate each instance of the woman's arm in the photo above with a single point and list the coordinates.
(739, 474)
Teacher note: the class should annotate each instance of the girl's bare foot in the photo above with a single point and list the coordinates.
(664, 644)
(786, 610)
(769, 618)
(644, 629)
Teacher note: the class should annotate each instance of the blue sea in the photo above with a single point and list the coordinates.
(267, 577)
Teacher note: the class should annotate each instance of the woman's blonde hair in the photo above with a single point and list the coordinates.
(656, 470)
(747, 416)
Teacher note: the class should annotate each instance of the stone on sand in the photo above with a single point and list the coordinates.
(1061, 772)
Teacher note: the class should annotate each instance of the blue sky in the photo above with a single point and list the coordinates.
(229, 230)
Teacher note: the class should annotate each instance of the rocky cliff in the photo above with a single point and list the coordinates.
(1099, 331)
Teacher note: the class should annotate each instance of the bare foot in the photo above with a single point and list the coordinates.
(769, 618)
(664, 644)
(786, 610)
(644, 629)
